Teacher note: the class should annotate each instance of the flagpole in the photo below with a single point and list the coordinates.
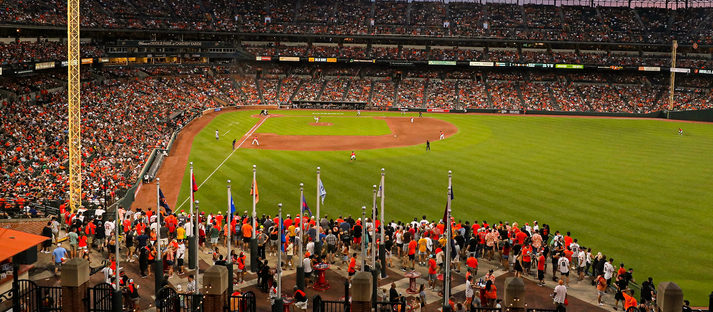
(363, 237)
(278, 305)
(158, 265)
(382, 247)
(318, 242)
(229, 234)
(117, 290)
(372, 243)
(253, 240)
(300, 266)
(447, 274)
(195, 250)
(191, 243)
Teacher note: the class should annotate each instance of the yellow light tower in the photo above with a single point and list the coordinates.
(672, 87)
(73, 92)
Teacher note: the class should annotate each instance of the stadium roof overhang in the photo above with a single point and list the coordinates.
(14, 242)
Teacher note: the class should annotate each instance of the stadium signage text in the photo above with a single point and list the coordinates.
(569, 66)
(289, 59)
(170, 43)
(511, 111)
(45, 65)
(65, 63)
(451, 63)
(705, 71)
(680, 70)
(361, 61)
(322, 60)
(263, 58)
(87, 61)
(646, 68)
(438, 110)
(482, 64)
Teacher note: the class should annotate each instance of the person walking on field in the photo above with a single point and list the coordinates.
(428, 145)
(255, 141)
(443, 136)
(353, 157)
(217, 135)
(234, 144)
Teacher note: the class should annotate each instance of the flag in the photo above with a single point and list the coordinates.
(163, 203)
(380, 192)
(304, 205)
(136, 192)
(322, 191)
(194, 187)
(253, 188)
(232, 205)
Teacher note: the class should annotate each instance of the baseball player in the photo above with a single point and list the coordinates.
(680, 131)
(255, 141)
(217, 135)
(428, 145)
(443, 136)
(358, 112)
(234, 144)
(411, 119)
(353, 157)
(316, 119)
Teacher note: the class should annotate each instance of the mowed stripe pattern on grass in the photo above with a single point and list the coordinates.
(633, 189)
(341, 126)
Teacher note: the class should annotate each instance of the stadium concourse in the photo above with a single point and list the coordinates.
(481, 251)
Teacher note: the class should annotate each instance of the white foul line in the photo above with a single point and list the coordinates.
(226, 132)
(247, 136)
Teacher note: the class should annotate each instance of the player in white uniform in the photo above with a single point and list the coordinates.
(358, 112)
(217, 135)
(443, 136)
(353, 157)
(412, 119)
(255, 141)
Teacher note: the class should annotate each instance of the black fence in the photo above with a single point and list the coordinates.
(485, 309)
(319, 305)
(100, 298)
(390, 307)
(32, 298)
(241, 303)
(168, 300)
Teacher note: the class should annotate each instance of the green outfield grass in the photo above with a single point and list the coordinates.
(633, 189)
(340, 126)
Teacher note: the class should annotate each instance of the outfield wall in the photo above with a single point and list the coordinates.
(691, 115)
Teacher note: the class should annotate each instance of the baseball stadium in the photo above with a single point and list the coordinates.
(349, 155)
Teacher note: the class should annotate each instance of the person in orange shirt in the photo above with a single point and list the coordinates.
(412, 253)
(601, 289)
(541, 270)
(352, 266)
(491, 293)
(629, 300)
(432, 272)
(247, 235)
(472, 264)
(241, 268)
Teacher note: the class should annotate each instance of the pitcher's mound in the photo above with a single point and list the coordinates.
(320, 123)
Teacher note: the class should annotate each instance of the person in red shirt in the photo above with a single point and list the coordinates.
(526, 257)
(432, 272)
(520, 236)
(352, 266)
(472, 264)
(412, 253)
(541, 270)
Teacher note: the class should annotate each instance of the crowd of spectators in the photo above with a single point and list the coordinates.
(359, 91)
(383, 94)
(288, 86)
(567, 98)
(309, 90)
(504, 95)
(472, 94)
(269, 90)
(42, 51)
(410, 93)
(536, 96)
(441, 94)
(334, 89)
(248, 86)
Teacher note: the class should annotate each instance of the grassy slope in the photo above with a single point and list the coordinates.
(340, 126)
(631, 188)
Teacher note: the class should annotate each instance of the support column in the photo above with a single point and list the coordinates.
(75, 281)
(215, 283)
(514, 295)
(361, 292)
(669, 297)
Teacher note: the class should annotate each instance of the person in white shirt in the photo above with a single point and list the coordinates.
(560, 293)
(108, 227)
(180, 256)
(99, 212)
(535, 227)
(108, 274)
(563, 264)
(582, 261)
(310, 246)
(307, 263)
(608, 271)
